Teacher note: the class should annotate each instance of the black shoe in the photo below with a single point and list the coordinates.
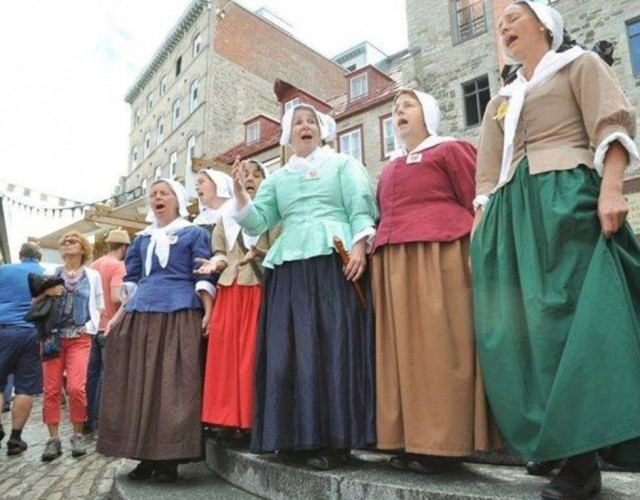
(166, 471)
(144, 470)
(542, 468)
(2, 434)
(424, 464)
(16, 446)
(570, 485)
(328, 460)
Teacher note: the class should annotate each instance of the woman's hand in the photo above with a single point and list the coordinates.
(207, 267)
(254, 253)
(54, 291)
(357, 261)
(237, 173)
(205, 323)
(612, 210)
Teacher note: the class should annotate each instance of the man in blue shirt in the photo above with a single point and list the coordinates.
(19, 350)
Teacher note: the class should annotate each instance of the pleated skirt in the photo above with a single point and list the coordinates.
(152, 393)
(315, 360)
(227, 400)
(430, 396)
(557, 309)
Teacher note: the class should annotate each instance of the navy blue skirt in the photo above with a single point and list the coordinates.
(315, 367)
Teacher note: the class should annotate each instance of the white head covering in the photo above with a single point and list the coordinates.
(326, 124)
(160, 243)
(431, 116)
(223, 182)
(550, 19)
(181, 194)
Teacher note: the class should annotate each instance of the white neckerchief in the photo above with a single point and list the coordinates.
(430, 142)
(315, 159)
(160, 242)
(232, 230)
(549, 65)
(211, 215)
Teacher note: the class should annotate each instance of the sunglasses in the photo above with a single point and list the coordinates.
(70, 241)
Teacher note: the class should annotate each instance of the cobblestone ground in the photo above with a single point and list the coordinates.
(26, 477)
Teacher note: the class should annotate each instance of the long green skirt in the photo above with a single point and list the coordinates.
(557, 315)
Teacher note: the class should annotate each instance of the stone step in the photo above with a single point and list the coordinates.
(368, 477)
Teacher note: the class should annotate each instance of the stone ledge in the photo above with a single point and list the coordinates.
(368, 477)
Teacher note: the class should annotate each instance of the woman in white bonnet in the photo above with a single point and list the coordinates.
(214, 190)
(555, 265)
(315, 358)
(429, 396)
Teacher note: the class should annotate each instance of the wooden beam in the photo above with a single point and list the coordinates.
(114, 220)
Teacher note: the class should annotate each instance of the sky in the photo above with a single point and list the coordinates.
(67, 65)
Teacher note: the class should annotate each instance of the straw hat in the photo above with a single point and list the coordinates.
(118, 236)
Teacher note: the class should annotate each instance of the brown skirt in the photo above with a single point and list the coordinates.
(430, 397)
(152, 392)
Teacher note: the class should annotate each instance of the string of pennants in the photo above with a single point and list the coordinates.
(34, 202)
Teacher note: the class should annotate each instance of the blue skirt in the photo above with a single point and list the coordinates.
(315, 385)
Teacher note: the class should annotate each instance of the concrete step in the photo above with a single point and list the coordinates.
(196, 482)
(369, 477)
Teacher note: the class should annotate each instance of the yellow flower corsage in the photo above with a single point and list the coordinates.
(502, 110)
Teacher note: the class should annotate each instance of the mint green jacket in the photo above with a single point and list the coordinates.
(334, 199)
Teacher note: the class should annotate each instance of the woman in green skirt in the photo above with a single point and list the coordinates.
(556, 268)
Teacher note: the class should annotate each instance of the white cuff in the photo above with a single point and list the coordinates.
(627, 143)
(207, 287)
(480, 201)
(369, 233)
(127, 290)
(238, 215)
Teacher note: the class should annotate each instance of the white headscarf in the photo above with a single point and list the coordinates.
(550, 19)
(326, 124)
(431, 115)
(224, 189)
(161, 237)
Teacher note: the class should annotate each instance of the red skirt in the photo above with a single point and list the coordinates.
(229, 373)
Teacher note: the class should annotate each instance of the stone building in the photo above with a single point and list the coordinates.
(215, 68)
(459, 60)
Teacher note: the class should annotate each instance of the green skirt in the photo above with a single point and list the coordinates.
(557, 315)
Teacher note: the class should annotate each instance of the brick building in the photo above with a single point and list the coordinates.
(215, 68)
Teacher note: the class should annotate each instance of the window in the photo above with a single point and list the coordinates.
(197, 43)
(178, 66)
(160, 136)
(144, 186)
(291, 103)
(351, 144)
(389, 143)
(147, 145)
(358, 86)
(137, 116)
(193, 96)
(157, 173)
(633, 33)
(175, 115)
(173, 165)
(191, 149)
(468, 19)
(272, 165)
(476, 97)
(134, 157)
(163, 85)
(150, 101)
(253, 132)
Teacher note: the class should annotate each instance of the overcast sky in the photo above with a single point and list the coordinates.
(64, 125)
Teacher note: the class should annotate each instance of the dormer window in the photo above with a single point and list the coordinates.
(291, 103)
(358, 86)
(253, 132)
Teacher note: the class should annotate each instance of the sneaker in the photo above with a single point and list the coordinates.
(77, 446)
(16, 446)
(52, 450)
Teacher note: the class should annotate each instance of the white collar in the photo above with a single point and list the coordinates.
(160, 242)
(430, 142)
(314, 159)
(211, 215)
